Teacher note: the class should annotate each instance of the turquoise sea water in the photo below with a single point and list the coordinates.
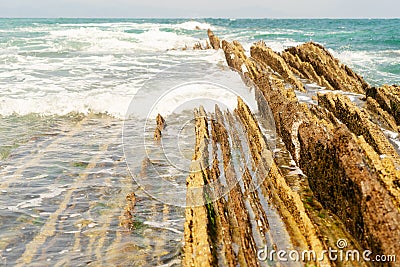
(44, 60)
(65, 88)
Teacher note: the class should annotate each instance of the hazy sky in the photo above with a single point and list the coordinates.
(202, 8)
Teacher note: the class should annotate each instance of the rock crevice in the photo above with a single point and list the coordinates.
(351, 166)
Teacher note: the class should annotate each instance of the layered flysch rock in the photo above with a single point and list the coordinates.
(160, 125)
(357, 120)
(262, 53)
(229, 224)
(351, 164)
(313, 62)
(214, 40)
(388, 98)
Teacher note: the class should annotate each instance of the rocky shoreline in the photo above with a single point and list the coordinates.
(351, 166)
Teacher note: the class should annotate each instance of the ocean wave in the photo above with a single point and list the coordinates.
(155, 39)
(377, 67)
(97, 67)
(66, 103)
(97, 83)
(101, 37)
(194, 25)
(278, 32)
(94, 39)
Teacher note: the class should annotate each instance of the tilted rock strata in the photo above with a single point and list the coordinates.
(198, 244)
(214, 40)
(159, 127)
(343, 172)
(236, 59)
(314, 62)
(381, 115)
(342, 180)
(205, 222)
(236, 207)
(224, 221)
(287, 201)
(358, 122)
(388, 97)
(265, 54)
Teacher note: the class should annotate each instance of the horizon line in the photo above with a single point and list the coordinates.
(192, 18)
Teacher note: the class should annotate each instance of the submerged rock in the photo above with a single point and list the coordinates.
(200, 46)
(160, 126)
(127, 219)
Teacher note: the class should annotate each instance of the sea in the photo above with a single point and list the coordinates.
(78, 99)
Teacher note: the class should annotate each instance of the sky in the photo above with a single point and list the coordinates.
(202, 8)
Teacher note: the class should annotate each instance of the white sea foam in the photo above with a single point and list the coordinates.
(86, 69)
(98, 67)
(194, 25)
(181, 95)
(95, 83)
(279, 32)
(95, 39)
(368, 63)
(368, 58)
(159, 40)
(62, 104)
(37, 201)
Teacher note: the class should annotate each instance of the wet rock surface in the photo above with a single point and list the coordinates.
(127, 219)
(214, 40)
(314, 62)
(351, 167)
(229, 228)
(265, 54)
(160, 125)
(388, 98)
(357, 120)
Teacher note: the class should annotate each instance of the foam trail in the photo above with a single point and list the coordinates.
(194, 25)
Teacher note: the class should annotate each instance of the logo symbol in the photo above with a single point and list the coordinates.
(341, 243)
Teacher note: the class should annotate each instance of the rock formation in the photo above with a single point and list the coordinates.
(263, 53)
(350, 165)
(381, 116)
(234, 55)
(127, 219)
(351, 168)
(312, 61)
(214, 40)
(388, 98)
(160, 126)
(221, 231)
(359, 123)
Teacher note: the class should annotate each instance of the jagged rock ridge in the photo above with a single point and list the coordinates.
(222, 231)
(351, 166)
